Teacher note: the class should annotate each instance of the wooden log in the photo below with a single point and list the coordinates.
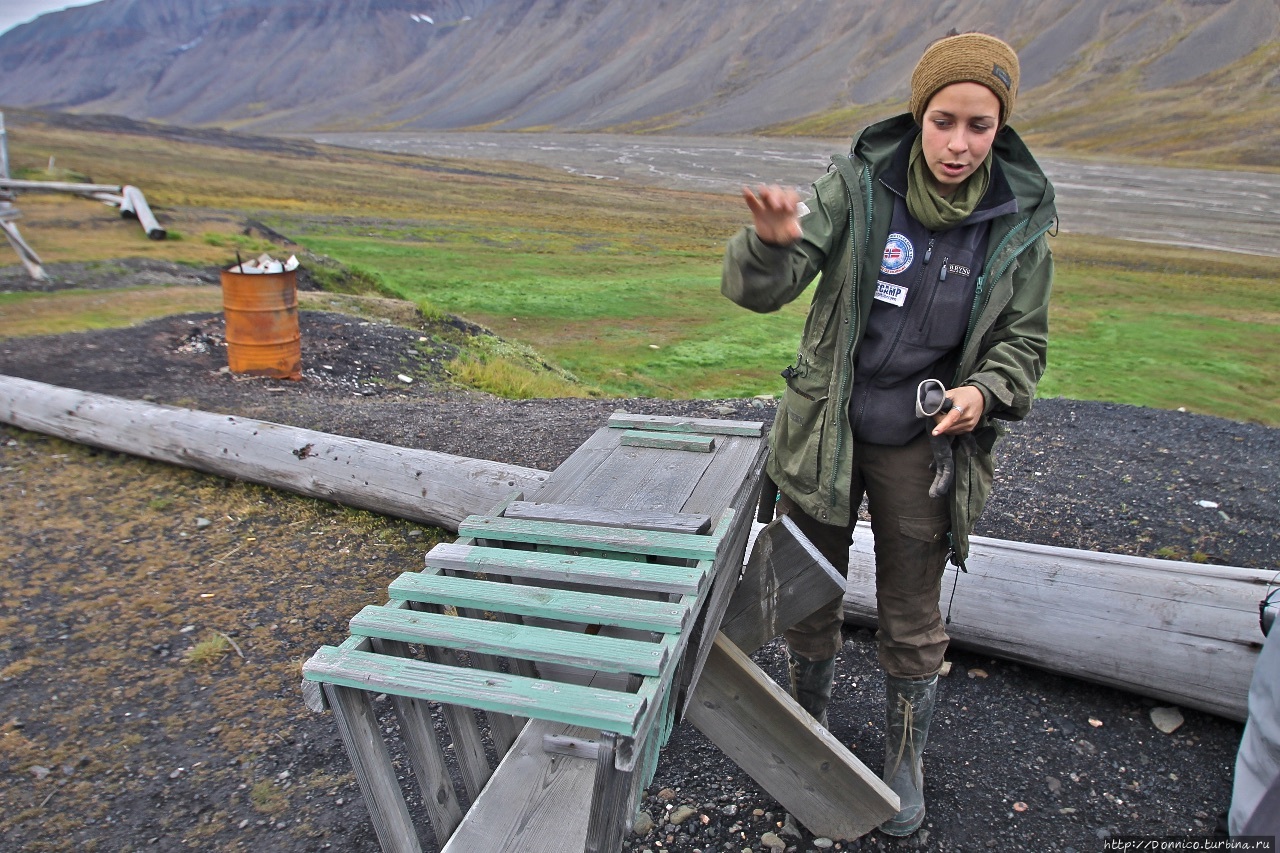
(57, 186)
(135, 206)
(1179, 632)
(417, 485)
(26, 254)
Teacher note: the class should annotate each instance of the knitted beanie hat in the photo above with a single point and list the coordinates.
(967, 57)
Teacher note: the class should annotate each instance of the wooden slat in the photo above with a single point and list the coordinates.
(511, 694)
(582, 607)
(362, 736)
(785, 579)
(665, 423)
(566, 568)
(669, 441)
(766, 733)
(672, 522)
(611, 805)
(502, 638)
(653, 543)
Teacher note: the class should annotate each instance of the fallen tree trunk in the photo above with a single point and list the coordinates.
(1183, 633)
(418, 485)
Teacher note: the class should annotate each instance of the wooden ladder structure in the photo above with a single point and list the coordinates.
(572, 631)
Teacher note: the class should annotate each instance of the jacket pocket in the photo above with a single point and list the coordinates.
(798, 430)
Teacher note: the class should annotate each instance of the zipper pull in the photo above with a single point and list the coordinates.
(928, 252)
(942, 273)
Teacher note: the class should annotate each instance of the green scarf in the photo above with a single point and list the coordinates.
(932, 210)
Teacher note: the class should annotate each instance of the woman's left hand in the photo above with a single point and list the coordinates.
(966, 410)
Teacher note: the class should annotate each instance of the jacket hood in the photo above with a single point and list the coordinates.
(876, 144)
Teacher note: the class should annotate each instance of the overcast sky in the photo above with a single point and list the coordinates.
(14, 12)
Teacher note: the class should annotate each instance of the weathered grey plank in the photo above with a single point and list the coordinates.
(362, 736)
(642, 478)
(671, 522)
(665, 423)
(1155, 627)
(569, 476)
(754, 722)
(536, 801)
(567, 568)
(548, 602)
(786, 578)
(654, 543)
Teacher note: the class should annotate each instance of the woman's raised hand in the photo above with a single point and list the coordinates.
(776, 213)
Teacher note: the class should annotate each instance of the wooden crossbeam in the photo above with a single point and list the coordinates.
(571, 648)
(649, 542)
(609, 710)
(666, 423)
(567, 568)
(581, 607)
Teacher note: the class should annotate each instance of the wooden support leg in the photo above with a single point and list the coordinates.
(362, 737)
(423, 748)
(757, 724)
(611, 800)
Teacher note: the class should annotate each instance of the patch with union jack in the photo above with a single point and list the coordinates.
(898, 254)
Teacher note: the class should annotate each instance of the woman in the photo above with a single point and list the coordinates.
(928, 243)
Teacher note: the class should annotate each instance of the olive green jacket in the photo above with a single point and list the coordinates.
(845, 231)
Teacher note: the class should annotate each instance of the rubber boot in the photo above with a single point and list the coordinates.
(909, 711)
(811, 684)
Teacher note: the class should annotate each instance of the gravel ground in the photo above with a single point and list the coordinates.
(1019, 758)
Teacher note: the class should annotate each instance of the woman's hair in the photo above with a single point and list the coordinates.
(966, 58)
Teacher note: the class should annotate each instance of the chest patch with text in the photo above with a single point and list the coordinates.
(894, 294)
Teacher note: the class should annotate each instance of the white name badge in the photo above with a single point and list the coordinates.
(894, 294)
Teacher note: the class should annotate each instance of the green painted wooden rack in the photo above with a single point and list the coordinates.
(594, 608)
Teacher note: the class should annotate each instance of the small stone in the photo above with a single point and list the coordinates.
(977, 673)
(643, 824)
(1167, 720)
(666, 794)
(1067, 811)
(1095, 722)
(407, 380)
(1085, 748)
(823, 843)
(1019, 806)
(40, 772)
(178, 772)
(1055, 784)
(202, 523)
(681, 814)
(725, 410)
(945, 670)
(789, 827)
(773, 842)
(729, 810)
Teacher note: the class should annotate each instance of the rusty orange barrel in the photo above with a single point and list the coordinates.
(261, 311)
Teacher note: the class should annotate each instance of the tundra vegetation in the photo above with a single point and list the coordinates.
(594, 288)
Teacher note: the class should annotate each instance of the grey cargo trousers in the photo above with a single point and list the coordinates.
(910, 530)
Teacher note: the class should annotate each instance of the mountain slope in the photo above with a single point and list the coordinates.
(1093, 69)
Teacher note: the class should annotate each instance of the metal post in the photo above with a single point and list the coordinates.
(4, 150)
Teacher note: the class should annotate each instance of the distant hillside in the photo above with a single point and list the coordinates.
(1192, 80)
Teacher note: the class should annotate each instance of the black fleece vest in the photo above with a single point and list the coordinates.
(925, 290)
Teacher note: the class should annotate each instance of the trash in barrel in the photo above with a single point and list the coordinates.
(260, 304)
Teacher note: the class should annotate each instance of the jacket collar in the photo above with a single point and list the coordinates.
(998, 200)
